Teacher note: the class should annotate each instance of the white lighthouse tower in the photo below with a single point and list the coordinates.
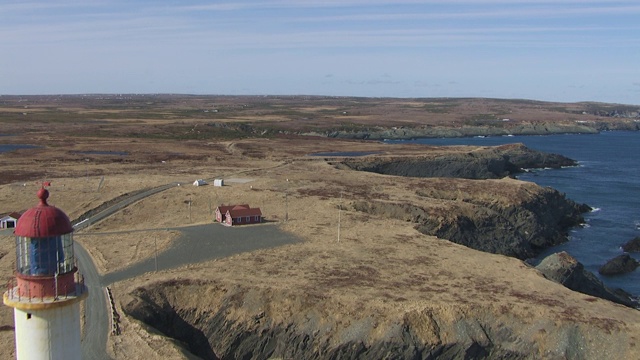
(46, 294)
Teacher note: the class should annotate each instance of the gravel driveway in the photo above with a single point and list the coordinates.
(205, 242)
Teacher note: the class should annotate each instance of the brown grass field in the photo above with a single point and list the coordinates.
(381, 267)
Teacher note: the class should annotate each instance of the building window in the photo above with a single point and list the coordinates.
(248, 219)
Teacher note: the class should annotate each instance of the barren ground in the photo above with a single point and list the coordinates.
(377, 266)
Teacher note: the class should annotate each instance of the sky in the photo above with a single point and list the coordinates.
(552, 50)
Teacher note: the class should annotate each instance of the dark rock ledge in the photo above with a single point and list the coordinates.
(520, 230)
(490, 163)
(566, 270)
(219, 332)
(632, 245)
(620, 264)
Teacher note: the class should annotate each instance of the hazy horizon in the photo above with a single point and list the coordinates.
(560, 51)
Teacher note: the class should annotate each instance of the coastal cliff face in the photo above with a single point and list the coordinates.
(521, 229)
(483, 163)
(536, 218)
(383, 289)
(241, 322)
(566, 270)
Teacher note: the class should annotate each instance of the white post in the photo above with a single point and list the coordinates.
(155, 245)
(339, 213)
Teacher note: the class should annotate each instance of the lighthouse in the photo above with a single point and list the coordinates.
(47, 291)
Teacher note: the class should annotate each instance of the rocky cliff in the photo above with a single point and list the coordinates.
(534, 219)
(566, 270)
(520, 229)
(242, 322)
(385, 290)
(479, 163)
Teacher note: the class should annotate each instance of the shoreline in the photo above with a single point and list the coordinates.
(488, 131)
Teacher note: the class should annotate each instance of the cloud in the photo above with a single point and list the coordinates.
(410, 24)
(383, 82)
(310, 4)
(411, 39)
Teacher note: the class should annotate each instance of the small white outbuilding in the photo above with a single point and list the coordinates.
(199, 182)
(218, 182)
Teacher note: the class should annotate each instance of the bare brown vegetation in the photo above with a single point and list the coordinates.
(380, 268)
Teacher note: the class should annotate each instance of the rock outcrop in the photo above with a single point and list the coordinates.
(520, 229)
(632, 245)
(483, 163)
(242, 323)
(566, 270)
(620, 264)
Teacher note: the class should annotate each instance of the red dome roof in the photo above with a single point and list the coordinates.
(43, 220)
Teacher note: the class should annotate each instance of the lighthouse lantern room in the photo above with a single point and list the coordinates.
(47, 290)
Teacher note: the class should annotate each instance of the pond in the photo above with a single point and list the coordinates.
(12, 147)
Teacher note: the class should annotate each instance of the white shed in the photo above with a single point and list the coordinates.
(199, 182)
(218, 182)
(9, 221)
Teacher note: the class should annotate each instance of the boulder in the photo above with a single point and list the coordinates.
(566, 270)
(620, 264)
(632, 245)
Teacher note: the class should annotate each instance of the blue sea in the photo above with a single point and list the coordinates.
(607, 179)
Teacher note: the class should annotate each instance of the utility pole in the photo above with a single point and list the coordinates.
(286, 202)
(339, 213)
(155, 245)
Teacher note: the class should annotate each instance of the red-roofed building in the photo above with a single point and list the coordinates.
(238, 215)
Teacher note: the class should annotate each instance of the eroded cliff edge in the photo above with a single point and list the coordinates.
(520, 230)
(251, 322)
(476, 163)
(530, 222)
(384, 289)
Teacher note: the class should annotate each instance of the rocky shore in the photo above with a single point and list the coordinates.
(477, 163)
(522, 228)
(427, 303)
(364, 278)
(240, 322)
(496, 129)
(566, 270)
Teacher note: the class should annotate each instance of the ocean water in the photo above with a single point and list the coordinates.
(607, 179)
